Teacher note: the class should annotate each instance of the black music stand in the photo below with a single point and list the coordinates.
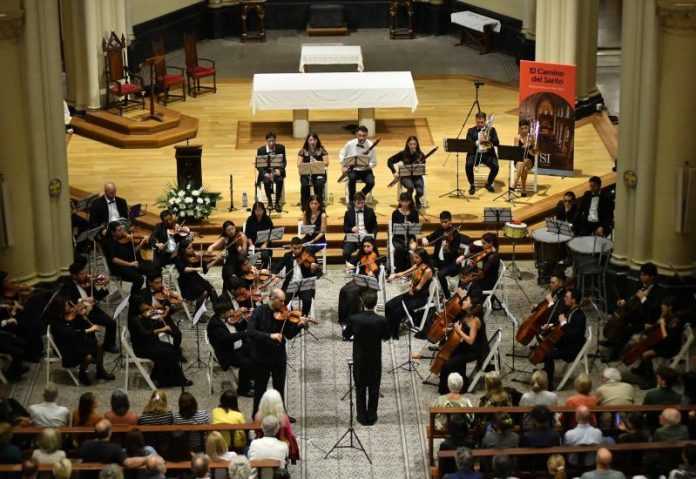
(497, 216)
(512, 153)
(269, 160)
(294, 287)
(458, 146)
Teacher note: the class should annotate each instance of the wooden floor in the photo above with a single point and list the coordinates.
(230, 134)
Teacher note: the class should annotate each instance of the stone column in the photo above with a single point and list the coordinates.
(35, 157)
(529, 20)
(566, 32)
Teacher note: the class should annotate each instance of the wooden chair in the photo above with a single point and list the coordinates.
(194, 71)
(121, 83)
(165, 81)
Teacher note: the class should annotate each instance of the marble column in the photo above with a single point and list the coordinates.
(35, 160)
(566, 32)
(529, 20)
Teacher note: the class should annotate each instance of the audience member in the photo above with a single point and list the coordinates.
(271, 404)
(664, 394)
(541, 434)
(100, 449)
(228, 413)
(538, 396)
(268, 446)
(455, 383)
(120, 413)
(85, 414)
(465, 465)
(48, 442)
(239, 468)
(178, 447)
(671, 427)
(582, 434)
(156, 413)
(111, 471)
(502, 434)
(614, 392)
(650, 466)
(457, 436)
(583, 387)
(281, 474)
(190, 414)
(604, 470)
(62, 469)
(216, 449)
(12, 412)
(496, 396)
(200, 466)
(156, 467)
(686, 470)
(48, 413)
(9, 453)
(503, 467)
(30, 468)
(634, 427)
(555, 465)
(134, 444)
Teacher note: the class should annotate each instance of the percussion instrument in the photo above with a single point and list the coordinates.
(590, 244)
(549, 249)
(515, 230)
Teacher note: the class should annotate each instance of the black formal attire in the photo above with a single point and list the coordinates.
(488, 158)
(491, 270)
(277, 180)
(369, 330)
(124, 251)
(563, 215)
(556, 309)
(319, 181)
(231, 349)
(648, 312)
(99, 210)
(400, 242)
(72, 341)
(288, 262)
(523, 144)
(445, 260)
(233, 260)
(395, 309)
(270, 357)
(473, 291)
(410, 183)
(365, 217)
(582, 226)
(74, 293)
(192, 284)
(149, 297)
(165, 356)
(15, 347)
(570, 344)
(310, 248)
(161, 258)
(251, 229)
(349, 296)
(464, 354)
(28, 330)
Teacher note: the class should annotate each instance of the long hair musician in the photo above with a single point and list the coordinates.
(409, 155)
(404, 213)
(312, 151)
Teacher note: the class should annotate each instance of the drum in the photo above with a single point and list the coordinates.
(515, 231)
(590, 244)
(549, 249)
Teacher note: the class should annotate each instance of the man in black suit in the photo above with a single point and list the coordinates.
(573, 339)
(268, 337)
(123, 256)
(595, 211)
(107, 207)
(82, 288)
(165, 245)
(369, 330)
(358, 219)
(297, 272)
(271, 176)
(228, 336)
(446, 252)
(487, 156)
(567, 207)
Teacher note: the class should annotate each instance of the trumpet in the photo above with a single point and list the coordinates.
(484, 139)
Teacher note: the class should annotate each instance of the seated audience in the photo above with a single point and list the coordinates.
(216, 449)
(539, 395)
(190, 414)
(465, 465)
(455, 383)
(156, 467)
(48, 442)
(48, 413)
(120, 413)
(541, 434)
(503, 467)
(111, 471)
(671, 427)
(555, 465)
(634, 427)
(502, 434)
(582, 434)
(496, 396)
(200, 466)
(613, 391)
(156, 413)
(134, 444)
(30, 468)
(101, 449)
(583, 386)
(178, 447)
(228, 413)
(664, 394)
(457, 436)
(272, 405)
(239, 468)
(687, 469)
(62, 469)
(268, 446)
(9, 453)
(85, 414)
(651, 466)
(604, 470)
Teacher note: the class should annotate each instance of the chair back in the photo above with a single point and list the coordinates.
(115, 65)
(190, 50)
(158, 50)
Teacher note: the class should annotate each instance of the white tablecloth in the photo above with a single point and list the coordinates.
(327, 91)
(474, 21)
(331, 55)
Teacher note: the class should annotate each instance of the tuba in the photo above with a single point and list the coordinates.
(484, 140)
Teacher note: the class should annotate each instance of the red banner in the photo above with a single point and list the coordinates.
(547, 98)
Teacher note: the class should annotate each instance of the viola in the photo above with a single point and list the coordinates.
(284, 314)
(439, 328)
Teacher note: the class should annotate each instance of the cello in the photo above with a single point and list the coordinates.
(546, 345)
(654, 335)
(439, 328)
(617, 326)
(532, 325)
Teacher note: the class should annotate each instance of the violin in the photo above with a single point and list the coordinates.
(257, 275)
(165, 296)
(132, 238)
(238, 315)
(369, 263)
(481, 255)
(183, 231)
(417, 277)
(287, 315)
(14, 290)
(305, 260)
(244, 295)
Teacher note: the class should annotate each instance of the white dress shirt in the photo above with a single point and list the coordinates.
(593, 214)
(360, 222)
(296, 271)
(113, 209)
(267, 448)
(352, 148)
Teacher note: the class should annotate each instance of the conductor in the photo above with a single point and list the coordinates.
(369, 330)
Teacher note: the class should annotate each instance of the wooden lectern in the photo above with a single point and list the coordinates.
(188, 165)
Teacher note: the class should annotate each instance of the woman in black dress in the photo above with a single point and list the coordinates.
(76, 340)
(259, 221)
(194, 287)
(408, 156)
(470, 331)
(523, 140)
(417, 295)
(315, 216)
(312, 151)
(405, 213)
(144, 328)
(234, 242)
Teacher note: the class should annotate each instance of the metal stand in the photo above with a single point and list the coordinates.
(231, 208)
(196, 320)
(513, 268)
(351, 430)
(409, 365)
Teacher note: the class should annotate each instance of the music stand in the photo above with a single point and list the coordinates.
(294, 287)
(497, 216)
(312, 168)
(459, 146)
(406, 229)
(151, 62)
(118, 360)
(559, 227)
(307, 229)
(83, 203)
(196, 321)
(276, 234)
(512, 153)
(351, 430)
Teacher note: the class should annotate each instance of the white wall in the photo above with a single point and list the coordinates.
(510, 8)
(144, 10)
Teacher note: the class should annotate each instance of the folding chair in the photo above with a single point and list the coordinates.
(369, 200)
(433, 301)
(132, 358)
(424, 198)
(321, 257)
(51, 346)
(494, 353)
(390, 248)
(212, 361)
(683, 355)
(382, 280)
(534, 170)
(498, 287)
(582, 356)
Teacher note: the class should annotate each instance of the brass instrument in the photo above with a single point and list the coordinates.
(485, 143)
(535, 138)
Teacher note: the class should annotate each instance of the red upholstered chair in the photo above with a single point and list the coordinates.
(122, 85)
(194, 71)
(166, 81)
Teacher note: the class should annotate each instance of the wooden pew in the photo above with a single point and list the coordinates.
(96, 466)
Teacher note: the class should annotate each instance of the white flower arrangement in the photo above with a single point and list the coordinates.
(188, 203)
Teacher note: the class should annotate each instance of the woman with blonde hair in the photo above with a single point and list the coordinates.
(583, 387)
(62, 469)
(496, 396)
(156, 413)
(556, 466)
(48, 442)
(539, 395)
(216, 449)
(271, 404)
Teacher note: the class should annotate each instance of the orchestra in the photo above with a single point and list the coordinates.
(312, 152)
(270, 176)
(360, 145)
